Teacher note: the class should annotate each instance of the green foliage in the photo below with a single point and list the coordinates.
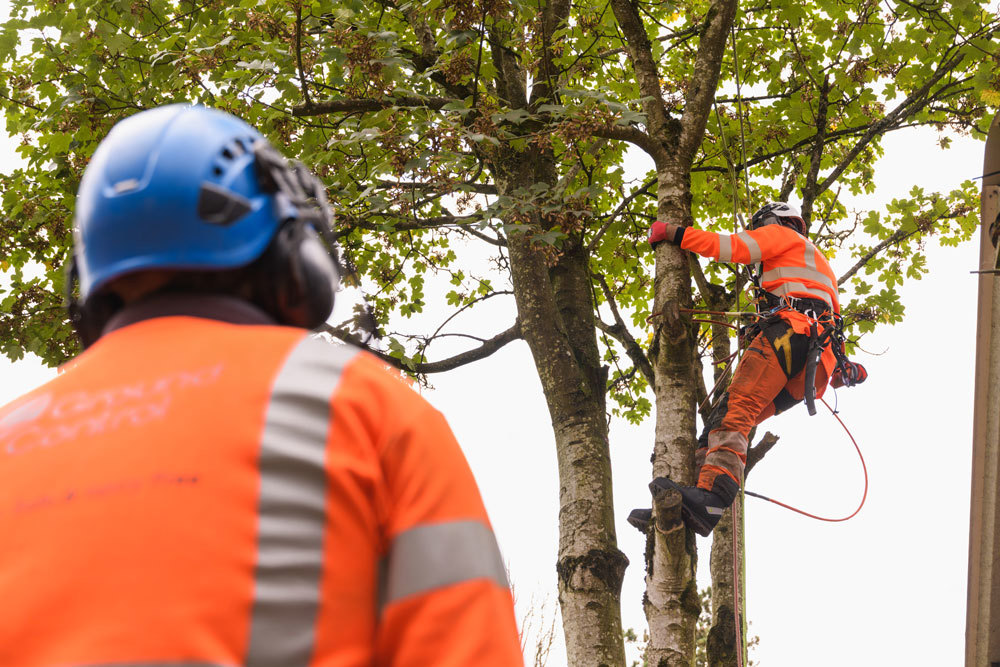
(430, 105)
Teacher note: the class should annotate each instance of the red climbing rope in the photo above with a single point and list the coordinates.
(823, 518)
(721, 324)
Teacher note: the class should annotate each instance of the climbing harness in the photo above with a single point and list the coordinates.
(826, 328)
(832, 333)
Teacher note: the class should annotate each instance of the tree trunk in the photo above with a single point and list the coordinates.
(722, 636)
(555, 309)
(671, 602)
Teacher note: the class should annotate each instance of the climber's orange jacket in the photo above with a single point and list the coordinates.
(190, 491)
(792, 267)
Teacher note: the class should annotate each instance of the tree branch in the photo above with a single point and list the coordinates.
(896, 237)
(759, 451)
(364, 105)
(705, 78)
(480, 188)
(632, 135)
(877, 128)
(486, 349)
(714, 295)
(614, 214)
(624, 336)
(298, 53)
(411, 224)
(809, 193)
(647, 76)
(554, 16)
(571, 173)
(500, 241)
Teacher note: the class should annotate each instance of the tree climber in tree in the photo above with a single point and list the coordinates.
(210, 484)
(801, 324)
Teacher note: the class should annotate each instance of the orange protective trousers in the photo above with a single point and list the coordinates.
(762, 387)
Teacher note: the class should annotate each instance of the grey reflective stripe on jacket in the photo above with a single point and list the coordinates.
(793, 289)
(810, 255)
(432, 556)
(292, 505)
(789, 274)
(726, 247)
(752, 247)
(793, 272)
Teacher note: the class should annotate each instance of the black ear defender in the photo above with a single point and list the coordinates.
(305, 271)
(88, 317)
(297, 279)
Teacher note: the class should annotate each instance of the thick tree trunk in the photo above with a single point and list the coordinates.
(555, 308)
(556, 313)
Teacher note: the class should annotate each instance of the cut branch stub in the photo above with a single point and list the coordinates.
(671, 321)
(758, 451)
(667, 511)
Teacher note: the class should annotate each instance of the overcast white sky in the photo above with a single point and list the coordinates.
(887, 587)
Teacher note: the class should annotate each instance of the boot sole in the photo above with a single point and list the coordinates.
(661, 484)
(640, 519)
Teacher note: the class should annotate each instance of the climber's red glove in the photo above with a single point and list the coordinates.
(664, 231)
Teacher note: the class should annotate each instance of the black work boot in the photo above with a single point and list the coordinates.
(640, 518)
(700, 509)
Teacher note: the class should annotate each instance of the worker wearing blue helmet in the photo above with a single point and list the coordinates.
(179, 191)
(208, 483)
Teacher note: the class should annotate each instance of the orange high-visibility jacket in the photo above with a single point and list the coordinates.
(194, 492)
(792, 266)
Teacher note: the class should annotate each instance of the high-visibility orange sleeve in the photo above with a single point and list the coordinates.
(444, 598)
(746, 247)
(470, 629)
(791, 264)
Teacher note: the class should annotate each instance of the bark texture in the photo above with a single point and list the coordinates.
(556, 313)
(555, 304)
(671, 601)
(722, 644)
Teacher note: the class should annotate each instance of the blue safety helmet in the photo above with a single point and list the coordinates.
(145, 198)
(187, 188)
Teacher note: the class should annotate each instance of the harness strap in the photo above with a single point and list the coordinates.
(812, 360)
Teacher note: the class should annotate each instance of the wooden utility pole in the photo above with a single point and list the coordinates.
(982, 631)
